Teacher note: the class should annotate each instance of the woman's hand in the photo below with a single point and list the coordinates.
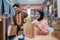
(34, 24)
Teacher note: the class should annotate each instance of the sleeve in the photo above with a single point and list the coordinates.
(13, 19)
(46, 25)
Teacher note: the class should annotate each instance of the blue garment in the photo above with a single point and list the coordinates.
(22, 38)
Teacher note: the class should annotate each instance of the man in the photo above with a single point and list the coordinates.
(19, 18)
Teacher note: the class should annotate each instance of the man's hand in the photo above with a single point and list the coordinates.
(18, 23)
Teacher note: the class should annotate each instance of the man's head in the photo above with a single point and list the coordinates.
(16, 7)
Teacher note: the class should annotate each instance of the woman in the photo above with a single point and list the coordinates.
(41, 25)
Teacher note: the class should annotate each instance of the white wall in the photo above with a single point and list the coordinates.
(58, 6)
(31, 1)
(26, 1)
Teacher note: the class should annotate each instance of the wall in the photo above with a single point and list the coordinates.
(58, 6)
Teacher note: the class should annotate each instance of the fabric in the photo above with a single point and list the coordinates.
(23, 15)
(27, 20)
(43, 24)
(18, 18)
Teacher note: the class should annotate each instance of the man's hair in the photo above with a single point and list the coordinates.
(17, 5)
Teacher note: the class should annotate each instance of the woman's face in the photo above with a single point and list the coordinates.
(37, 15)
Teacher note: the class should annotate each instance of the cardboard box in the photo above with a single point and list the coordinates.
(54, 25)
(58, 20)
(54, 35)
(12, 30)
(57, 27)
(46, 18)
(58, 36)
(29, 30)
(57, 32)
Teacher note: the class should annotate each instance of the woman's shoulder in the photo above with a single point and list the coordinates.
(34, 21)
(45, 21)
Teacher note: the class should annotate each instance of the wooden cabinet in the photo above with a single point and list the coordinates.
(2, 28)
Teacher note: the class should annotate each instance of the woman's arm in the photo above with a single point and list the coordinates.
(43, 31)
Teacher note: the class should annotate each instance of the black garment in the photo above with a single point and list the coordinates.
(41, 15)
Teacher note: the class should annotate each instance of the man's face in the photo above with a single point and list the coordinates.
(16, 9)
